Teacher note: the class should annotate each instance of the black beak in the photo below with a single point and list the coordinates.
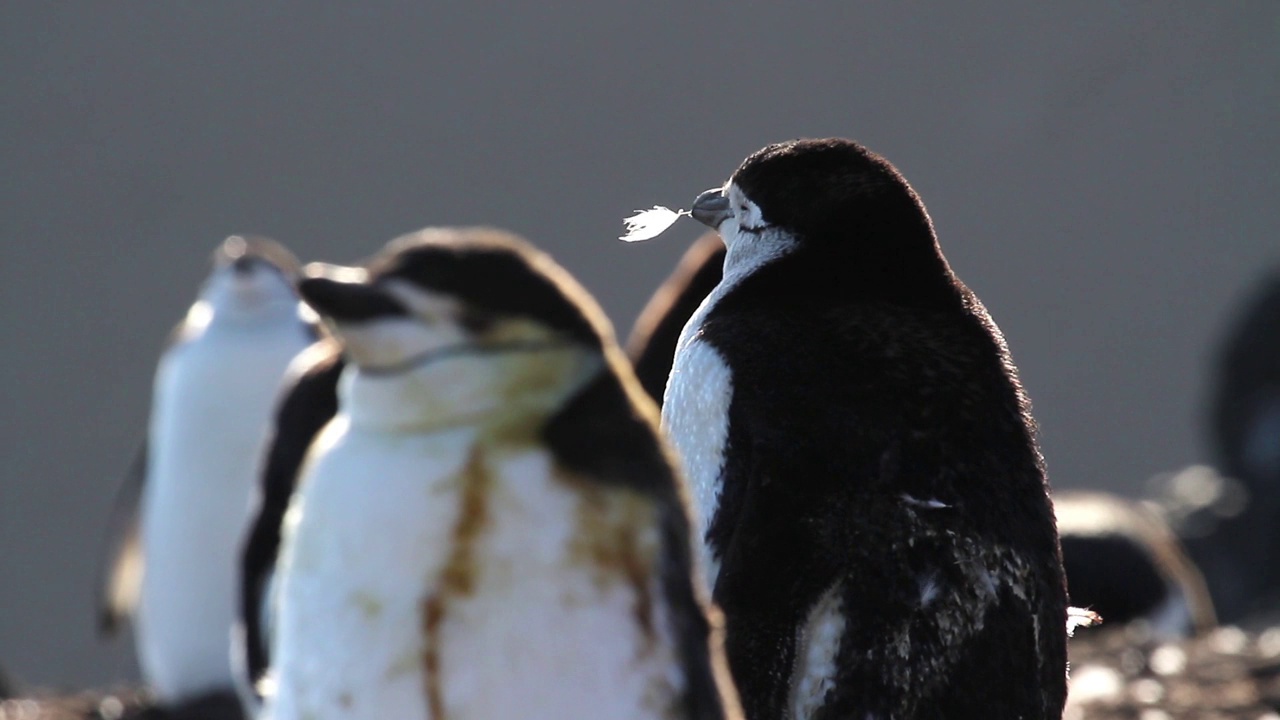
(711, 208)
(348, 302)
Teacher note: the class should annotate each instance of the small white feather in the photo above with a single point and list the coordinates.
(647, 224)
(1081, 617)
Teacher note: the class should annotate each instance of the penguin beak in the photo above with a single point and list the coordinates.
(711, 208)
(349, 302)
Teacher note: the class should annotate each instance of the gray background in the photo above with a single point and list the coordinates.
(1103, 176)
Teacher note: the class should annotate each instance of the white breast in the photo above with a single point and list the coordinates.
(361, 536)
(389, 607)
(695, 413)
(695, 406)
(212, 403)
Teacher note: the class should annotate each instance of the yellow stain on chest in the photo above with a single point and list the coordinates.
(615, 538)
(369, 604)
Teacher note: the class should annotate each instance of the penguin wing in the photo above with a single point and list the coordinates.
(304, 409)
(121, 569)
(806, 429)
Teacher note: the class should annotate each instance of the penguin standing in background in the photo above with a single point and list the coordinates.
(1123, 560)
(183, 507)
(1238, 549)
(878, 531)
(652, 344)
(491, 525)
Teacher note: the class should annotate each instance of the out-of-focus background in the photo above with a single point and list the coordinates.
(1104, 175)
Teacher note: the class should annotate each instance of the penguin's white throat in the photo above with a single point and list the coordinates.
(489, 385)
(749, 241)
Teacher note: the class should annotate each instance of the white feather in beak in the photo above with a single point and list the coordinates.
(647, 224)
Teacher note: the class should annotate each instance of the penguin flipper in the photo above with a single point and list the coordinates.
(305, 407)
(121, 571)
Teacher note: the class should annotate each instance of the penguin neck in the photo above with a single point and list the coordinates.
(205, 317)
(505, 396)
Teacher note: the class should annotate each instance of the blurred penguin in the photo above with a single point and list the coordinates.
(184, 504)
(491, 525)
(307, 403)
(1229, 515)
(1123, 561)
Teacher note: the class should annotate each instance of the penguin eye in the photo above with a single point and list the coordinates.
(475, 321)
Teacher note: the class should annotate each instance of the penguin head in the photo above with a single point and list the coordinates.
(253, 279)
(829, 198)
(460, 326)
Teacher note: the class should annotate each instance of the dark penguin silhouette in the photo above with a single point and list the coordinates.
(1124, 561)
(652, 344)
(878, 530)
(1234, 536)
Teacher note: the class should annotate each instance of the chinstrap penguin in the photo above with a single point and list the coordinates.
(878, 531)
(185, 501)
(491, 525)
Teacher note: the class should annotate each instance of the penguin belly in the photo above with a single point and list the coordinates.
(695, 413)
(213, 399)
(451, 582)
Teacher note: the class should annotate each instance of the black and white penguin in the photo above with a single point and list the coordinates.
(878, 531)
(185, 502)
(491, 525)
(1124, 561)
(652, 343)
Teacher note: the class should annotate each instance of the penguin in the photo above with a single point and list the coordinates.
(1238, 537)
(179, 515)
(651, 345)
(308, 402)
(1124, 561)
(867, 482)
(491, 525)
